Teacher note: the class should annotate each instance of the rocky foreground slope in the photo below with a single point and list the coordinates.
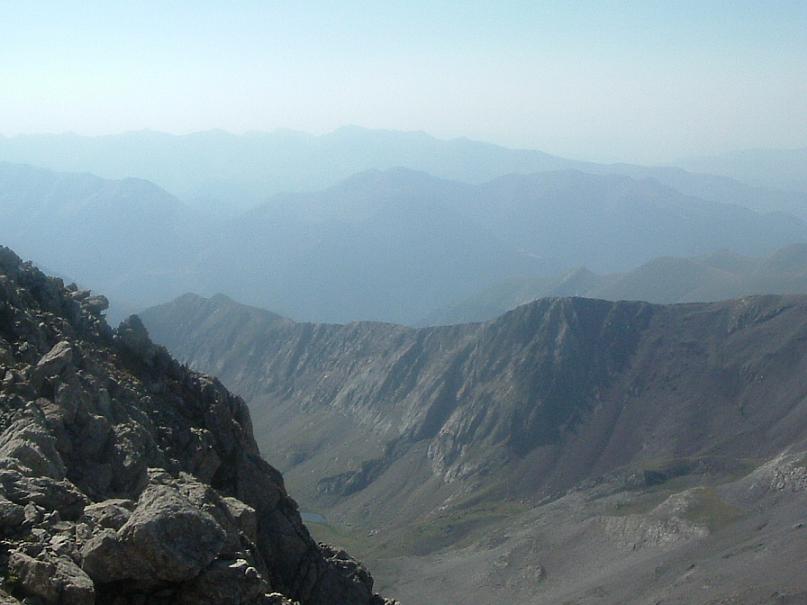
(126, 478)
(571, 451)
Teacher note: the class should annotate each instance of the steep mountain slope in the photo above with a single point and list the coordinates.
(125, 478)
(719, 276)
(225, 172)
(567, 430)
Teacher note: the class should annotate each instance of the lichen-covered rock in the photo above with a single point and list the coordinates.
(125, 478)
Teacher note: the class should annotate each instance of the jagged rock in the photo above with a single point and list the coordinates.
(56, 359)
(32, 446)
(96, 304)
(109, 514)
(225, 582)
(233, 516)
(166, 538)
(55, 579)
(359, 586)
(61, 496)
(11, 515)
(244, 516)
(6, 354)
(132, 335)
(125, 478)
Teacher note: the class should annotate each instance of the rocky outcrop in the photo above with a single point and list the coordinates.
(663, 526)
(126, 478)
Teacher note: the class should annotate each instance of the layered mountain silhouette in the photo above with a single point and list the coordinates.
(128, 236)
(390, 245)
(223, 172)
(784, 169)
(513, 459)
(719, 276)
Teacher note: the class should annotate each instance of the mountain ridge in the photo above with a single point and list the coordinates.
(544, 423)
(304, 162)
(719, 276)
(388, 245)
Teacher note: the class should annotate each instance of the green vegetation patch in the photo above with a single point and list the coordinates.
(356, 541)
(458, 527)
(711, 510)
(641, 504)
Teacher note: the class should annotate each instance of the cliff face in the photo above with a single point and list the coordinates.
(570, 451)
(126, 478)
(548, 395)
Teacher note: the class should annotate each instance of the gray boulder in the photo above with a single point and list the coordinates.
(55, 360)
(11, 515)
(109, 514)
(96, 304)
(57, 580)
(225, 582)
(166, 539)
(61, 496)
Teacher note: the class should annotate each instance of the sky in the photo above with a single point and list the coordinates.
(641, 81)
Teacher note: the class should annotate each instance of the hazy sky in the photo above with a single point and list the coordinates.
(642, 81)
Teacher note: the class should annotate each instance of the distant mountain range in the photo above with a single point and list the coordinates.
(779, 168)
(719, 276)
(127, 236)
(389, 245)
(571, 447)
(225, 173)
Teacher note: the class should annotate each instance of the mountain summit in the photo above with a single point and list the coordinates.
(125, 478)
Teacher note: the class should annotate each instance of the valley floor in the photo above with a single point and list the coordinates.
(697, 540)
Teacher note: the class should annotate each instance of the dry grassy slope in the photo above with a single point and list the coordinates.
(439, 440)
